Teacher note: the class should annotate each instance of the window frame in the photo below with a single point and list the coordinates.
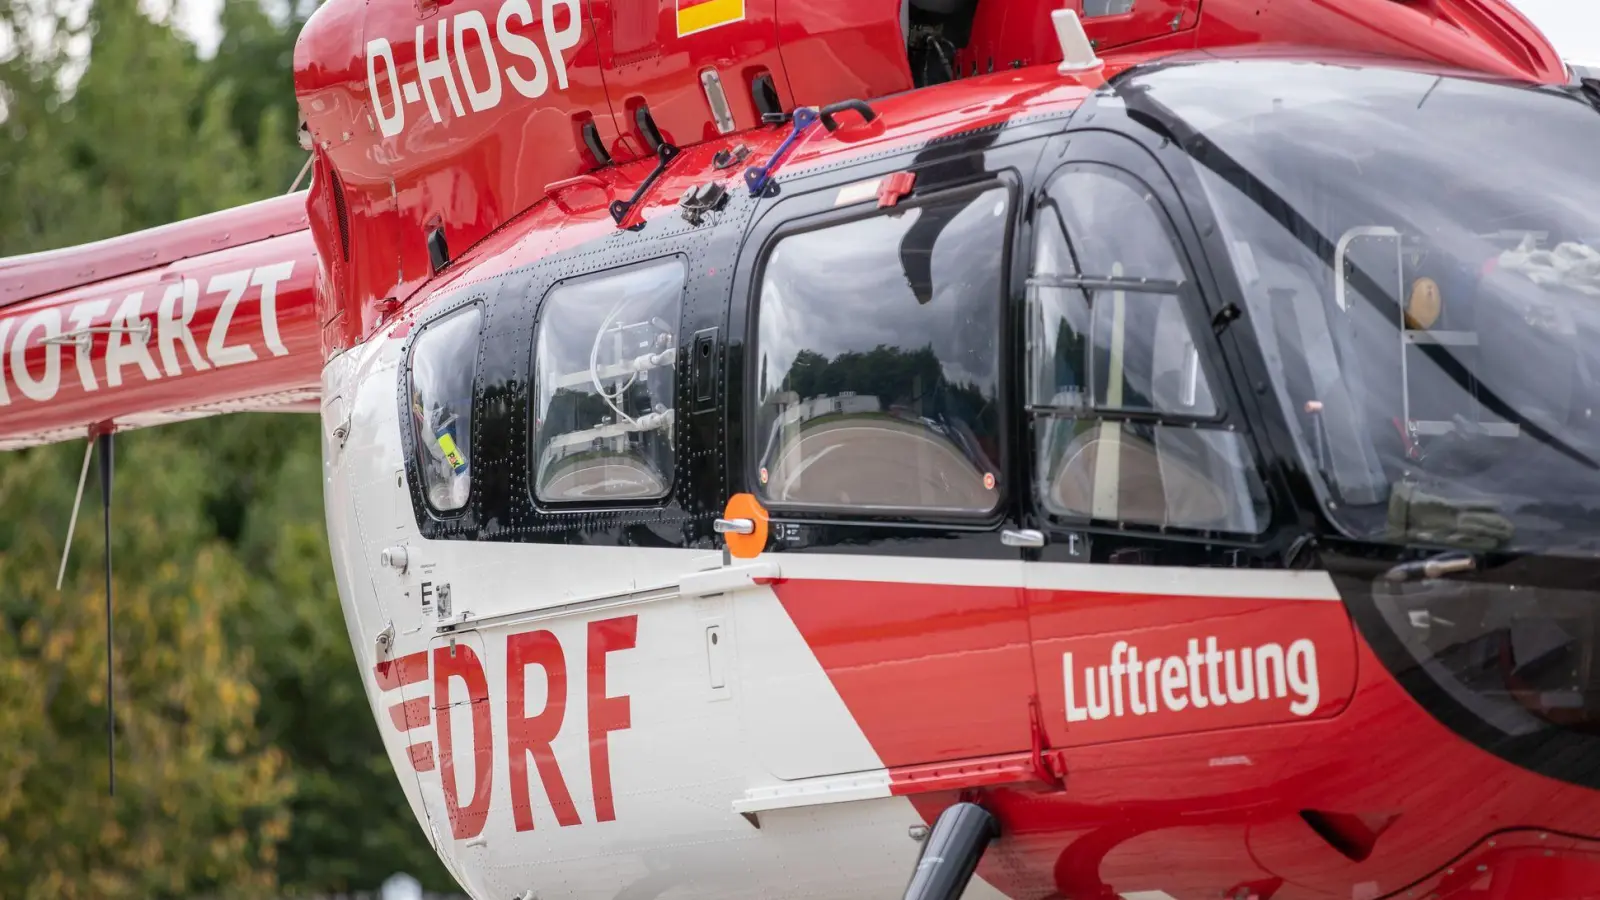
(1191, 302)
(413, 462)
(807, 222)
(681, 358)
(1197, 315)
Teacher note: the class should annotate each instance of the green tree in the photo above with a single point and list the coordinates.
(351, 826)
(247, 754)
(201, 799)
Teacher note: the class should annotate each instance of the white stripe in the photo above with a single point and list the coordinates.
(1273, 584)
(815, 792)
(1278, 584)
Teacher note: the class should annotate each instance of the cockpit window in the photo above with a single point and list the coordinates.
(606, 362)
(1118, 384)
(879, 360)
(444, 364)
(1420, 258)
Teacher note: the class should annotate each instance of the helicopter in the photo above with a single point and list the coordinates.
(985, 448)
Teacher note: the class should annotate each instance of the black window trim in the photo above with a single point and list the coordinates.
(1009, 181)
(587, 507)
(414, 471)
(1194, 307)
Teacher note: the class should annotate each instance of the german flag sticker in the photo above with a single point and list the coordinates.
(701, 15)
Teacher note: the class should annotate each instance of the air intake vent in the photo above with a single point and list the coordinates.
(1353, 836)
(343, 215)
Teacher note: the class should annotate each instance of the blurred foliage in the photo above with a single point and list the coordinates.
(248, 760)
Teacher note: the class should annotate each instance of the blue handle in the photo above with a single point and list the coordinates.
(757, 177)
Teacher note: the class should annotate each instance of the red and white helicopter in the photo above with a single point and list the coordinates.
(1213, 514)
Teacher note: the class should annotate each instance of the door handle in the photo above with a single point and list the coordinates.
(734, 526)
(1022, 537)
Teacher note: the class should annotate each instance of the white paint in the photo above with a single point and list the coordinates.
(815, 792)
(390, 124)
(472, 21)
(234, 283)
(5, 331)
(83, 315)
(47, 321)
(437, 69)
(560, 42)
(267, 279)
(1204, 679)
(450, 42)
(858, 192)
(177, 310)
(517, 45)
(123, 348)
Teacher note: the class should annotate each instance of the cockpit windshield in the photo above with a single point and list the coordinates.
(1420, 260)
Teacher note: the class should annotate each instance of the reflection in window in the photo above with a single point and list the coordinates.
(605, 376)
(1177, 477)
(1435, 350)
(1098, 352)
(879, 365)
(444, 362)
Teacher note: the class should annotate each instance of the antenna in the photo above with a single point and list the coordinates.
(104, 440)
(1077, 54)
(77, 501)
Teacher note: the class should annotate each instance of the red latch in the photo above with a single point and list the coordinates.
(894, 187)
(1049, 766)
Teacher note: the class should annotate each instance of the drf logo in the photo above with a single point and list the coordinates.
(527, 737)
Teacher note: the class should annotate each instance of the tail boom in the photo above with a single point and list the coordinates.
(211, 315)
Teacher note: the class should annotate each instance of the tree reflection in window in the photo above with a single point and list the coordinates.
(878, 341)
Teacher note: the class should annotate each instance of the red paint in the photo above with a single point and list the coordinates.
(460, 661)
(1478, 35)
(230, 321)
(1205, 811)
(895, 187)
(1089, 626)
(532, 734)
(413, 713)
(606, 714)
(421, 756)
(405, 670)
(478, 161)
(931, 672)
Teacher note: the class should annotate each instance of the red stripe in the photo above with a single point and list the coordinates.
(411, 714)
(690, 4)
(421, 757)
(403, 671)
(992, 772)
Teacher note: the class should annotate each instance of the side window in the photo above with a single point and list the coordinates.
(878, 347)
(1123, 403)
(604, 383)
(444, 364)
